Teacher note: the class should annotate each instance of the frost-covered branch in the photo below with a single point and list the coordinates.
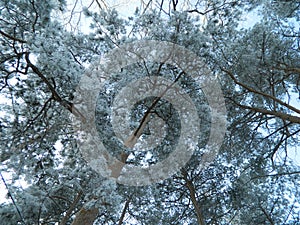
(66, 104)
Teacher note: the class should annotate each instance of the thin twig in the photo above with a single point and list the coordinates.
(12, 199)
(124, 212)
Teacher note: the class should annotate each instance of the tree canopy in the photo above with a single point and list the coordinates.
(47, 47)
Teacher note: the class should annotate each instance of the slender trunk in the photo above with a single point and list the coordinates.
(192, 192)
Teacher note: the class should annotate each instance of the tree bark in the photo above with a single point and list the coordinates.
(192, 191)
(70, 210)
(86, 216)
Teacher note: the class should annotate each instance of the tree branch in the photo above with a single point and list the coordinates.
(259, 92)
(71, 208)
(283, 116)
(276, 175)
(66, 104)
(13, 200)
(132, 139)
(126, 206)
(11, 37)
(267, 215)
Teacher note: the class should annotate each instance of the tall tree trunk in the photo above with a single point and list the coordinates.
(88, 216)
(192, 192)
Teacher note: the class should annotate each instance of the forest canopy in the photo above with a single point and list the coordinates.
(228, 96)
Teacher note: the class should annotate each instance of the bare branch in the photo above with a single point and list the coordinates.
(13, 200)
(124, 212)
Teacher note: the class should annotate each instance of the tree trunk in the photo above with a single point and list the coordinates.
(192, 191)
(86, 216)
